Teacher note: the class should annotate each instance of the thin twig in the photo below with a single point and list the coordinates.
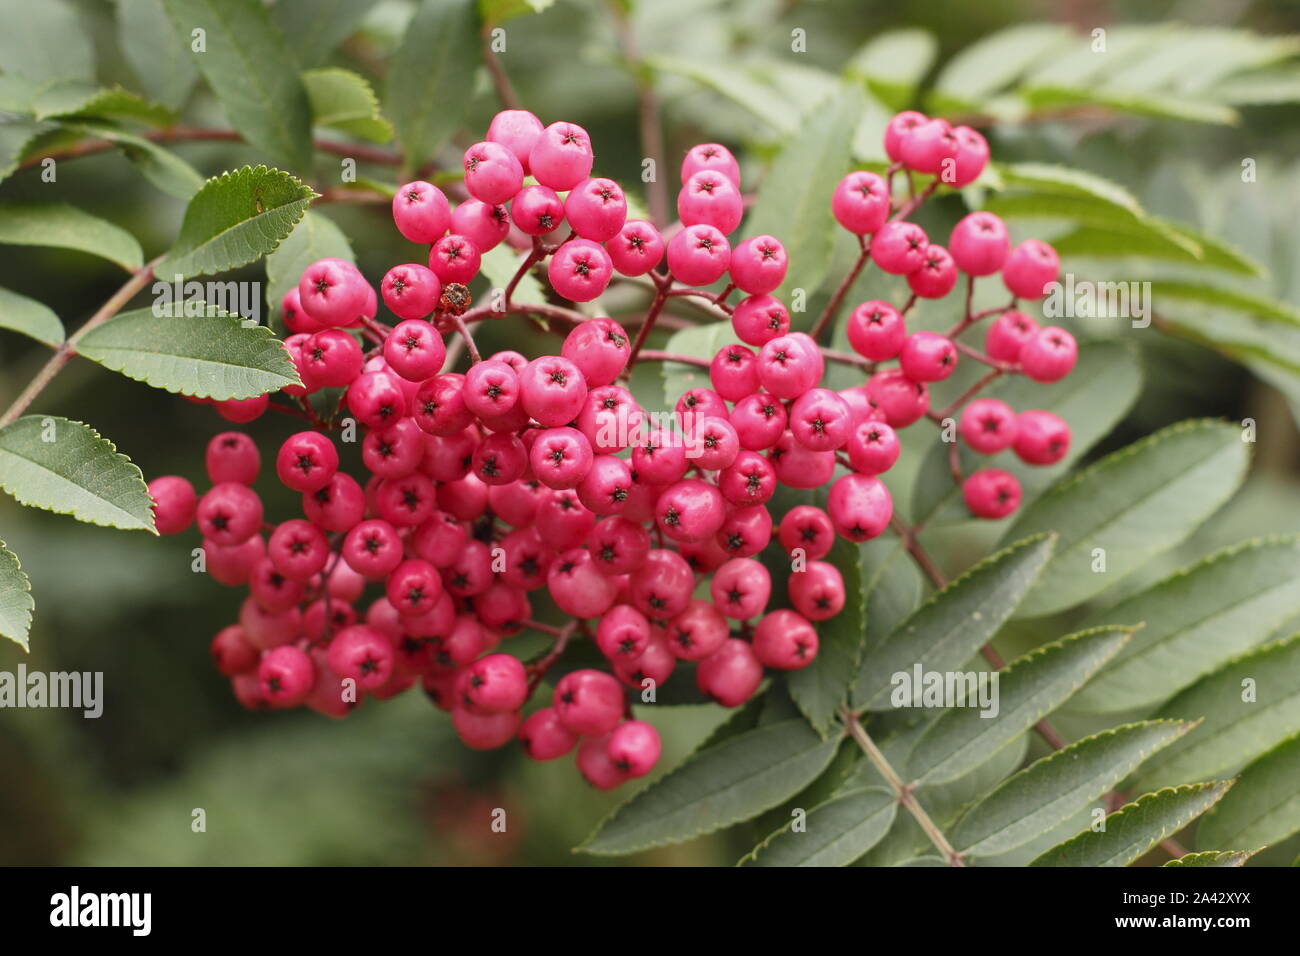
(652, 138)
(833, 306)
(500, 79)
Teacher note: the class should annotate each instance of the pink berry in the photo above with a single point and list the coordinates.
(332, 292)
(500, 459)
(760, 318)
(900, 126)
(596, 209)
(820, 420)
(748, 480)
(537, 211)
(493, 173)
(232, 653)
(759, 420)
(927, 357)
(561, 157)
(797, 466)
(790, 365)
(241, 411)
(480, 223)
(623, 633)
(552, 390)
(363, 654)
(902, 400)
(589, 702)
(605, 487)
(740, 588)
(664, 585)
(286, 675)
(876, 331)
(818, 591)
(699, 255)
(980, 244)
(809, 528)
(988, 426)
(758, 265)
(733, 372)
(899, 247)
(636, 249)
(928, 146)
(578, 587)
(690, 510)
(937, 275)
(298, 549)
(232, 456)
(1029, 269)
(785, 640)
(697, 631)
(634, 747)
(711, 156)
(731, 675)
(496, 682)
(596, 766)
(544, 737)
(518, 131)
(860, 507)
(232, 565)
(174, 503)
(454, 259)
(1041, 438)
(293, 316)
(1007, 335)
(873, 447)
(414, 350)
(710, 198)
(376, 398)
(306, 461)
(330, 359)
(1049, 355)
(991, 493)
(372, 549)
(410, 291)
(580, 270)
(485, 731)
(972, 156)
(861, 202)
(421, 212)
(600, 349)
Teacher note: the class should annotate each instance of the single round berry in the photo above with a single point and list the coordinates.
(454, 259)
(861, 202)
(980, 243)
(988, 426)
(561, 157)
(600, 349)
(414, 350)
(577, 585)
(740, 588)
(497, 682)
(937, 275)
(589, 702)
(410, 291)
(421, 212)
(697, 631)
(790, 365)
(482, 224)
(876, 331)
(634, 747)
(544, 737)
(373, 549)
(899, 247)
(808, 529)
(298, 549)
(1007, 335)
(930, 147)
(174, 503)
(710, 198)
(1030, 268)
(331, 359)
(493, 173)
(818, 591)
(229, 514)
(232, 456)
(785, 640)
(711, 156)
(286, 675)
(580, 270)
(873, 447)
(758, 265)
(1041, 438)
(927, 357)
(820, 420)
(232, 653)
(1049, 355)
(760, 318)
(306, 461)
(972, 156)
(362, 653)
(731, 675)
(636, 249)
(537, 211)
(900, 126)
(518, 131)
(759, 420)
(860, 507)
(991, 493)
(596, 209)
(902, 400)
(241, 411)
(699, 255)
(333, 292)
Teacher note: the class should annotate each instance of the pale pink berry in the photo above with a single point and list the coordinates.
(991, 493)
(988, 426)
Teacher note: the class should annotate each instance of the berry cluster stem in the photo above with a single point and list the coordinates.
(656, 306)
(833, 306)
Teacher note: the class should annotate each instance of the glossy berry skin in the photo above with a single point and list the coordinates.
(808, 528)
(376, 399)
(1049, 355)
(634, 747)
(876, 331)
(600, 349)
(336, 506)
(1007, 335)
(482, 224)
(578, 587)
(937, 275)
(580, 270)
(596, 209)
(663, 587)
(242, 410)
(971, 158)
(293, 316)
(697, 404)
(927, 357)
(491, 388)
(485, 731)
(861, 202)
(731, 675)
(373, 549)
(518, 131)
(860, 507)
(636, 249)
(410, 291)
(980, 244)
(298, 549)
(899, 247)
(988, 426)
(619, 545)
(500, 460)
(820, 420)
(927, 147)
(454, 259)
(562, 521)
(174, 503)
(497, 682)
(552, 390)
(900, 126)
(330, 359)
(1041, 438)
(748, 480)
(760, 318)
(699, 255)
(595, 765)
(711, 156)
(872, 447)
(414, 587)
(544, 737)
(690, 510)
(818, 592)
(623, 633)
(746, 531)
(306, 461)
(710, 198)
(785, 640)
(286, 676)
(901, 399)
(414, 350)
(232, 653)
(759, 420)
(697, 631)
(232, 456)
(660, 457)
(758, 265)
(493, 173)
(1029, 269)
(332, 292)
(991, 493)
(733, 373)
(712, 443)
(740, 588)
(589, 702)
(799, 467)
(421, 212)
(561, 157)
(363, 654)
(605, 487)
(229, 514)
(790, 365)
(537, 211)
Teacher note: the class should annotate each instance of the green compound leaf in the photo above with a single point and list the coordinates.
(820, 688)
(194, 350)
(1028, 690)
(16, 604)
(21, 314)
(66, 467)
(835, 833)
(731, 781)
(251, 69)
(1134, 829)
(1249, 706)
(63, 226)
(945, 632)
(343, 100)
(1129, 507)
(235, 219)
(1050, 791)
(1263, 808)
(431, 76)
(1196, 620)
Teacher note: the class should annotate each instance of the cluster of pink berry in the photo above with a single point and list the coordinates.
(521, 475)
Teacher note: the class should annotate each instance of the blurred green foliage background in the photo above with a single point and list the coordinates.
(391, 784)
